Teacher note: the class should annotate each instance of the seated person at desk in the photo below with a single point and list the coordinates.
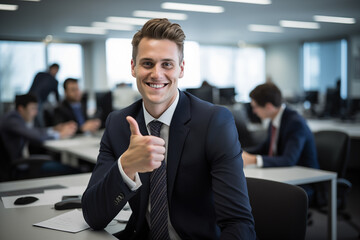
(16, 129)
(289, 141)
(189, 171)
(71, 109)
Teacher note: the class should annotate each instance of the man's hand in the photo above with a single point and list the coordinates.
(66, 129)
(248, 158)
(91, 125)
(145, 153)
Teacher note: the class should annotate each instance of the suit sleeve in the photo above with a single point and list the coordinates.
(33, 135)
(106, 193)
(294, 139)
(231, 199)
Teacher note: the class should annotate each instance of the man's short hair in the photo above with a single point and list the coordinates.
(24, 100)
(69, 80)
(54, 65)
(266, 93)
(160, 28)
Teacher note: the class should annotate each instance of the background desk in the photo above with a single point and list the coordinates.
(84, 147)
(352, 129)
(16, 223)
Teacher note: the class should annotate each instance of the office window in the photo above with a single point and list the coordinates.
(242, 68)
(118, 59)
(324, 63)
(69, 57)
(19, 62)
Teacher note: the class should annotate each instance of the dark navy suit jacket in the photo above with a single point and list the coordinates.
(295, 145)
(207, 191)
(44, 83)
(14, 134)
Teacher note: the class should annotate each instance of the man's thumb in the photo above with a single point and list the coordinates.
(134, 127)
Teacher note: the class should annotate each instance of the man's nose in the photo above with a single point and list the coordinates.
(156, 72)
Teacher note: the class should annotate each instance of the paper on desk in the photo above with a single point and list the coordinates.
(123, 216)
(72, 221)
(49, 197)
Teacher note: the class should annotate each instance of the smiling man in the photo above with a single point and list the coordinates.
(175, 158)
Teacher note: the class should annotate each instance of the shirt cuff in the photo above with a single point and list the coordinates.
(133, 185)
(53, 134)
(259, 161)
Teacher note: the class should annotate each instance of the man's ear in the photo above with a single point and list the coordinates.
(182, 69)
(133, 68)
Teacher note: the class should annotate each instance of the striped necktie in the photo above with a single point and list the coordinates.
(158, 195)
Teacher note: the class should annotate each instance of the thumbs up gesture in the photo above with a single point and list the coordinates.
(145, 153)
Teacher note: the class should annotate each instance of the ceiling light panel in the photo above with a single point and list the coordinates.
(8, 7)
(85, 30)
(331, 19)
(127, 20)
(113, 26)
(265, 28)
(262, 2)
(154, 14)
(299, 24)
(192, 7)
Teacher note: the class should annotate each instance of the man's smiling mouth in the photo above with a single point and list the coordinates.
(157, 85)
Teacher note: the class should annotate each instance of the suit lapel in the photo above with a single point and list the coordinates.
(177, 136)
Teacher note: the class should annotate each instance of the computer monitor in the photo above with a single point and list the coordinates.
(103, 105)
(227, 96)
(202, 93)
(312, 96)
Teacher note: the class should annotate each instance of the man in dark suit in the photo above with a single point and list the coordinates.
(203, 192)
(45, 83)
(289, 141)
(16, 131)
(73, 109)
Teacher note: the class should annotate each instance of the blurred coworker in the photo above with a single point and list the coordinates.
(292, 142)
(124, 95)
(71, 109)
(45, 83)
(16, 129)
(289, 141)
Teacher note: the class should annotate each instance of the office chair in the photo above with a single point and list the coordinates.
(279, 209)
(333, 150)
(34, 166)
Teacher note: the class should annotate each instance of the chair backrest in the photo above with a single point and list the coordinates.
(332, 149)
(279, 209)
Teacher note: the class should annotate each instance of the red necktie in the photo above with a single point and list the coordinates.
(272, 140)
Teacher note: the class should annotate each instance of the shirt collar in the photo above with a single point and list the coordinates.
(166, 117)
(277, 120)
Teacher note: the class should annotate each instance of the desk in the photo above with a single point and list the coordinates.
(16, 223)
(301, 175)
(84, 147)
(352, 129)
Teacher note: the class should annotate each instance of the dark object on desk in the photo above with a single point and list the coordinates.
(69, 203)
(25, 200)
(279, 209)
(227, 96)
(205, 94)
(333, 154)
(103, 106)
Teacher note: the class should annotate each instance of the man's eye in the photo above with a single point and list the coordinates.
(167, 65)
(147, 64)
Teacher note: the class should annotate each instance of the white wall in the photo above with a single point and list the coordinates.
(283, 66)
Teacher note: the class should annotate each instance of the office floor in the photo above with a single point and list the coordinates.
(318, 230)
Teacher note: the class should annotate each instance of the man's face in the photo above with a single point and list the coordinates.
(53, 71)
(261, 112)
(157, 70)
(29, 112)
(72, 92)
